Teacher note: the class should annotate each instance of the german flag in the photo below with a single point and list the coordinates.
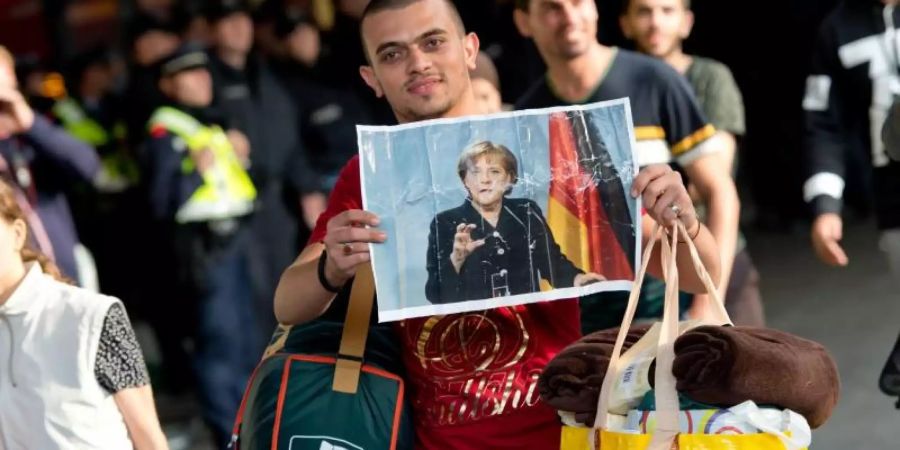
(585, 192)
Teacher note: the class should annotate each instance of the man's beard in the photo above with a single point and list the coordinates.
(435, 111)
(570, 52)
(663, 53)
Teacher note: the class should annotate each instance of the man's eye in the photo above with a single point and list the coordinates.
(390, 55)
(433, 43)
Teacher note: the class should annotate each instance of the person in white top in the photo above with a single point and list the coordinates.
(71, 372)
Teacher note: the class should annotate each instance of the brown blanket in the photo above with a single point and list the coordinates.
(722, 366)
(728, 365)
(572, 379)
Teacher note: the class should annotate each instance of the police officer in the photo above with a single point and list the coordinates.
(199, 184)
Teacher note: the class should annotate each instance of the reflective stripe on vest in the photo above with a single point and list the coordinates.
(79, 124)
(227, 190)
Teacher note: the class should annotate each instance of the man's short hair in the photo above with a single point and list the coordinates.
(487, 148)
(376, 6)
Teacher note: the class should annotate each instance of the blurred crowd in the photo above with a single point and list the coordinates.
(181, 164)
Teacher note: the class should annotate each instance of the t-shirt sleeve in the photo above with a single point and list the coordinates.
(120, 363)
(724, 105)
(684, 123)
(346, 195)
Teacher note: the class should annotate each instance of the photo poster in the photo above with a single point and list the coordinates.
(499, 210)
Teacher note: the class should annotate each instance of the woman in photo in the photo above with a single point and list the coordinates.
(493, 245)
(71, 371)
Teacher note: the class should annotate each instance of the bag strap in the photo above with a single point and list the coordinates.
(666, 396)
(600, 421)
(667, 426)
(356, 330)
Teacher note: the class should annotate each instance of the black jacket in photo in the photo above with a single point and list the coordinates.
(518, 253)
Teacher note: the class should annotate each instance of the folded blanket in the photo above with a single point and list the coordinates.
(572, 380)
(726, 366)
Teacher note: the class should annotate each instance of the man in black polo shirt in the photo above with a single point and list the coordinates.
(669, 126)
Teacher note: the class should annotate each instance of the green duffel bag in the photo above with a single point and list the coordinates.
(309, 393)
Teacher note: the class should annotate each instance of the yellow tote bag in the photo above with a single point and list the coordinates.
(667, 435)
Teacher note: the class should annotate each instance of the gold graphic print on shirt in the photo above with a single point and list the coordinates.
(473, 365)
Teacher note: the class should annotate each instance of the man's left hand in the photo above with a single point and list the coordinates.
(665, 197)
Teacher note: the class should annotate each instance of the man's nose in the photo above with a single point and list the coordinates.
(419, 61)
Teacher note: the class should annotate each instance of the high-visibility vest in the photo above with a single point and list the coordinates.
(227, 191)
(79, 124)
(118, 169)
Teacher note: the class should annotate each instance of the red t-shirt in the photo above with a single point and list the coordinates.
(473, 376)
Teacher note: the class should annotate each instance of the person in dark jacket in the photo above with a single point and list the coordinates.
(327, 115)
(254, 102)
(45, 162)
(491, 245)
(854, 78)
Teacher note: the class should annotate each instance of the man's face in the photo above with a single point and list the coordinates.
(304, 44)
(561, 29)
(7, 81)
(191, 87)
(487, 181)
(234, 33)
(419, 59)
(98, 78)
(657, 26)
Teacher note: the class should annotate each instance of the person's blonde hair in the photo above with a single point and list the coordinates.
(10, 212)
(487, 148)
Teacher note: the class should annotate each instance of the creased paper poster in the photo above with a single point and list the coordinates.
(501, 210)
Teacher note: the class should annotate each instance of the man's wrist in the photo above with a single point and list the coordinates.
(329, 278)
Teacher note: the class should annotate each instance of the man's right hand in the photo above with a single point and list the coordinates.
(463, 245)
(347, 242)
(827, 232)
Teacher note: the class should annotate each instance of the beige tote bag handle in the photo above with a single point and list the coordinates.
(667, 406)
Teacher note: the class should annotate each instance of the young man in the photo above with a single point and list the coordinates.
(658, 28)
(463, 396)
(669, 125)
(201, 191)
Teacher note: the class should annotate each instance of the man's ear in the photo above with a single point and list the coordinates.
(687, 25)
(521, 19)
(625, 25)
(471, 45)
(368, 75)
